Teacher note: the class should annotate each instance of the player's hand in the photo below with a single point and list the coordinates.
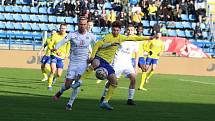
(150, 52)
(58, 53)
(39, 53)
(52, 50)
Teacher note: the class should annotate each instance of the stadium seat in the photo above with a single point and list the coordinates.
(146, 32)
(1, 8)
(178, 25)
(27, 35)
(26, 26)
(145, 23)
(172, 32)
(171, 25)
(2, 18)
(17, 17)
(187, 25)
(9, 25)
(192, 17)
(53, 19)
(193, 25)
(152, 23)
(205, 35)
(70, 28)
(26, 18)
(8, 9)
(180, 33)
(50, 10)
(189, 33)
(2, 25)
(2, 33)
(17, 26)
(35, 27)
(43, 10)
(17, 9)
(60, 19)
(52, 27)
(108, 5)
(43, 18)
(18, 2)
(34, 10)
(75, 20)
(184, 17)
(44, 27)
(69, 20)
(96, 30)
(26, 9)
(34, 18)
(8, 17)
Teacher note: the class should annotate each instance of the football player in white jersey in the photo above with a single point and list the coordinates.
(122, 64)
(81, 41)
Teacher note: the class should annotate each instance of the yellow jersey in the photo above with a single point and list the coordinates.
(109, 52)
(63, 50)
(156, 46)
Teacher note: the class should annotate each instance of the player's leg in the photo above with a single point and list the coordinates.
(45, 67)
(145, 67)
(131, 90)
(151, 72)
(104, 93)
(52, 74)
(72, 98)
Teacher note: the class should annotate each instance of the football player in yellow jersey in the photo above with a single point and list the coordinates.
(45, 61)
(102, 57)
(155, 48)
(59, 55)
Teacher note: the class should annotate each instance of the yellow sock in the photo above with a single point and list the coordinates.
(50, 79)
(143, 79)
(149, 75)
(47, 69)
(87, 73)
(109, 93)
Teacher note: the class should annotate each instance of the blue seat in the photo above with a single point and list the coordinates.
(146, 32)
(50, 10)
(96, 30)
(2, 25)
(8, 17)
(172, 33)
(44, 27)
(60, 19)
(9, 25)
(171, 25)
(27, 35)
(189, 33)
(205, 35)
(43, 10)
(34, 18)
(184, 17)
(70, 28)
(17, 9)
(18, 2)
(152, 23)
(2, 18)
(26, 26)
(108, 5)
(53, 19)
(69, 20)
(192, 17)
(52, 27)
(8, 9)
(193, 25)
(145, 23)
(17, 17)
(34, 10)
(75, 20)
(26, 18)
(26, 9)
(17, 26)
(1, 8)
(43, 18)
(35, 27)
(180, 33)
(187, 25)
(179, 25)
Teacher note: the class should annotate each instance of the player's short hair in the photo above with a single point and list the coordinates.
(63, 24)
(140, 25)
(130, 25)
(82, 18)
(117, 24)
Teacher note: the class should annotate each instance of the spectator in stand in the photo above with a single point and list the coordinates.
(103, 20)
(163, 30)
(121, 17)
(92, 4)
(165, 14)
(201, 15)
(155, 29)
(69, 7)
(198, 32)
(117, 7)
(111, 18)
(144, 8)
(60, 9)
(199, 4)
(85, 5)
(96, 18)
(100, 4)
(191, 7)
(128, 19)
(78, 7)
(137, 17)
(140, 29)
(177, 13)
(183, 5)
(152, 11)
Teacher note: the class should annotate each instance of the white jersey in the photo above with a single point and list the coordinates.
(80, 45)
(79, 52)
(122, 62)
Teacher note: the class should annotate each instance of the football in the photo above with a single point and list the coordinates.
(101, 73)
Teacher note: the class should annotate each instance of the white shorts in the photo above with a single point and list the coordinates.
(124, 68)
(75, 69)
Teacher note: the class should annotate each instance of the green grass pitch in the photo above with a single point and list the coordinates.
(23, 97)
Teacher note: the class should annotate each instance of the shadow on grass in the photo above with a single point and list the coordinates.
(43, 108)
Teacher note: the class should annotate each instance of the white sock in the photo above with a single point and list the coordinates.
(104, 93)
(131, 93)
(73, 96)
(63, 88)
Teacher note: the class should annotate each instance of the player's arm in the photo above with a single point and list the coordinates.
(68, 49)
(136, 38)
(44, 46)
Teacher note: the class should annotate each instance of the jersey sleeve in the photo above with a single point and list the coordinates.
(65, 40)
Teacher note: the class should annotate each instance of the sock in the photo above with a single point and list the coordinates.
(131, 93)
(63, 88)
(73, 95)
(87, 73)
(104, 93)
(143, 79)
(109, 93)
(47, 69)
(50, 79)
(149, 75)
(44, 73)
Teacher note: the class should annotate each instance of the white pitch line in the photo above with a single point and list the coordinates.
(122, 87)
(185, 80)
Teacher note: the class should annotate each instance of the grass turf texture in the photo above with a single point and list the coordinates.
(23, 97)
